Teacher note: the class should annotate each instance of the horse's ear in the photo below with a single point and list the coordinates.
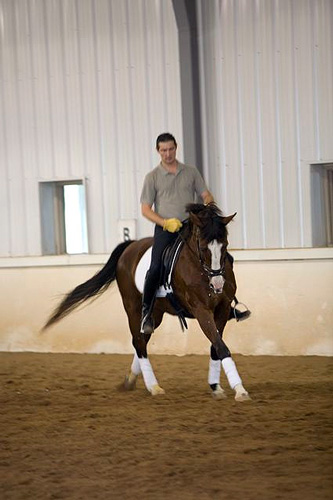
(226, 220)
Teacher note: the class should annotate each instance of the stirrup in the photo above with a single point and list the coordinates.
(241, 315)
(147, 325)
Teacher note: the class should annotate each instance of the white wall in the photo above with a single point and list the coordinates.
(290, 300)
(267, 104)
(85, 88)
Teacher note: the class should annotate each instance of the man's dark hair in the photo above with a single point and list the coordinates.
(165, 137)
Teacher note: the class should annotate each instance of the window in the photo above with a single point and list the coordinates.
(63, 217)
(322, 204)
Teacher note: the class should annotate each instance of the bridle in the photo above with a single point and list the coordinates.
(208, 270)
(196, 250)
(211, 273)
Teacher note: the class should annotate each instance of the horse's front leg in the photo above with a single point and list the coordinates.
(230, 369)
(220, 354)
(228, 364)
(214, 374)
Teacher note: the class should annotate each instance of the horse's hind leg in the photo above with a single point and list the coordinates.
(149, 377)
(141, 364)
(131, 378)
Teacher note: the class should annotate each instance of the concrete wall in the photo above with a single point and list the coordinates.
(291, 303)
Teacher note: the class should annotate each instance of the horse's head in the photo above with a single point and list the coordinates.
(211, 239)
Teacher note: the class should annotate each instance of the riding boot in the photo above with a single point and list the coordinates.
(236, 313)
(148, 301)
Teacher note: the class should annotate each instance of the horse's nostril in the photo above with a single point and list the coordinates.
(217, 283)
(215, 289)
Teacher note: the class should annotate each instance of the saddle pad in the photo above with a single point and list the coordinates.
(141, 271)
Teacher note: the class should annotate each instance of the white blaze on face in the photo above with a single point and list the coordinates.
(216, 282)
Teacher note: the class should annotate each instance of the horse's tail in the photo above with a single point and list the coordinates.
(93, 287)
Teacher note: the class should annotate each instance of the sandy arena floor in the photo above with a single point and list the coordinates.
(67, 432)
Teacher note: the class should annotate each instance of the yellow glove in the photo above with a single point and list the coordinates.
(172, 225)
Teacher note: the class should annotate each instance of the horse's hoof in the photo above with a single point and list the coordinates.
(242, 396)
(219, 393)
(129, 383)
(155, 390)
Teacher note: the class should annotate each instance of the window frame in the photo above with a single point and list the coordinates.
(52, 215)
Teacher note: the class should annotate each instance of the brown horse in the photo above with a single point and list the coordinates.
(202, 280)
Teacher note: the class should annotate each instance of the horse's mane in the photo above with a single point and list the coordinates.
(209, 210)
(210, 216)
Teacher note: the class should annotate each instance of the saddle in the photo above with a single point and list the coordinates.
(169, 259)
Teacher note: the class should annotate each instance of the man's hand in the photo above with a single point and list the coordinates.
(172, 225)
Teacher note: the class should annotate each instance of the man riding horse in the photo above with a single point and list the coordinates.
(203, 280)
(169, 187)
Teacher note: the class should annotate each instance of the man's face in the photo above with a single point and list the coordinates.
(167, 152)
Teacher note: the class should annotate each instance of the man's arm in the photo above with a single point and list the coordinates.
(172, 225)
(207, 197)
(151, 215)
